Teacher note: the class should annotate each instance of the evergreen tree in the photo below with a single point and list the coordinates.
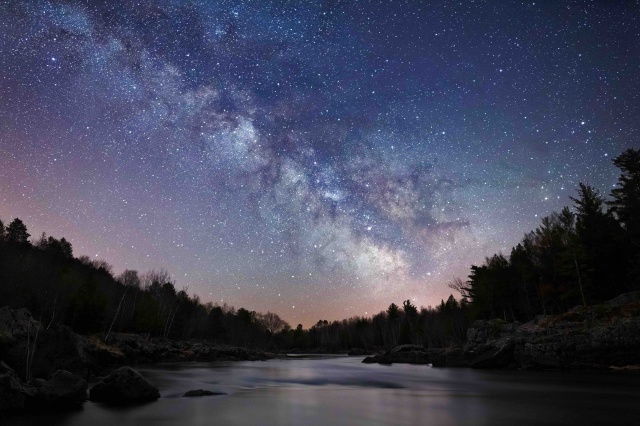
(409, 309)
(393, 312)
(17, 232)
(600, 236)
(625, 204)
(626, 197)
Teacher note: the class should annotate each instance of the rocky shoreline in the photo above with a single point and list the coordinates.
(59, 362)
(605, 336)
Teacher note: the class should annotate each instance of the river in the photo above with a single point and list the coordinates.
(342, 391)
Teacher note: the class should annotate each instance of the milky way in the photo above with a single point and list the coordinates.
(317, 159)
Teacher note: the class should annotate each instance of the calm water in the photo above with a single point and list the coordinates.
(342, 391)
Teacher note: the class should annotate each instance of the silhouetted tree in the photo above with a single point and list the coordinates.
(61, 248)
(601, 238)
(272, 322)
(245, 316)
(625, 204)
(393, 312)
(17, 232)
(129, 278)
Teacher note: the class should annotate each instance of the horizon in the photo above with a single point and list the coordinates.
(319, 162)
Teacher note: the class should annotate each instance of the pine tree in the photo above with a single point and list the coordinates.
(625, 204)
(600, 236)
(17, 232)
(626, 197)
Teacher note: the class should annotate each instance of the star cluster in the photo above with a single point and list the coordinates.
(318, 159)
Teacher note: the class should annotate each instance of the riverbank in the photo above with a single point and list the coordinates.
(48, 366)
(604, 336)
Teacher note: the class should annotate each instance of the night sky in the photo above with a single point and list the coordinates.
(316, 159)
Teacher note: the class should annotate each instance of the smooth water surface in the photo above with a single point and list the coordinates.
(342, 391)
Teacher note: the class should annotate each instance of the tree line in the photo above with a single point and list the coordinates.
(43, 276)
(578, 256)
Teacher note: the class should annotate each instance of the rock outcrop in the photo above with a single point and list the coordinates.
(139, 349)
(597, 337)
(122, 386)
(58, 348)
(50, 349)
(404, 354)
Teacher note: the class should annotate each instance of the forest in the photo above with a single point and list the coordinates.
(586, 253)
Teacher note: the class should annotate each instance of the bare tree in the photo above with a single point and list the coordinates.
(160, 276)
(460, 286)
(129, 278)
(272, 322)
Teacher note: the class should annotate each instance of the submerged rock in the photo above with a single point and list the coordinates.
(124, 385)
(201, 392)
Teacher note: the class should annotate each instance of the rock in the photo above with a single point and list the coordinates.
(404, 354)
(595, 337)
(12, 397)
(496, 354)
(438, 357)
(14, 323)
(358, 352)
(454, 357)
(201, 392)
(408, 354)
(57, 348)
(62, 389)
(624, 299)
(139, 349)
(124, 385)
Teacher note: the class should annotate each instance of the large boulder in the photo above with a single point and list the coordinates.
(62, 389)
(14, 323)
(59, 348)
(12, 397)
(124, 385)
(51, 349)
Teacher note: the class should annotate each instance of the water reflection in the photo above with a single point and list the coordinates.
(343, 391)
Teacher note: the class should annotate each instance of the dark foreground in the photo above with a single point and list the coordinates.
(343, 391)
